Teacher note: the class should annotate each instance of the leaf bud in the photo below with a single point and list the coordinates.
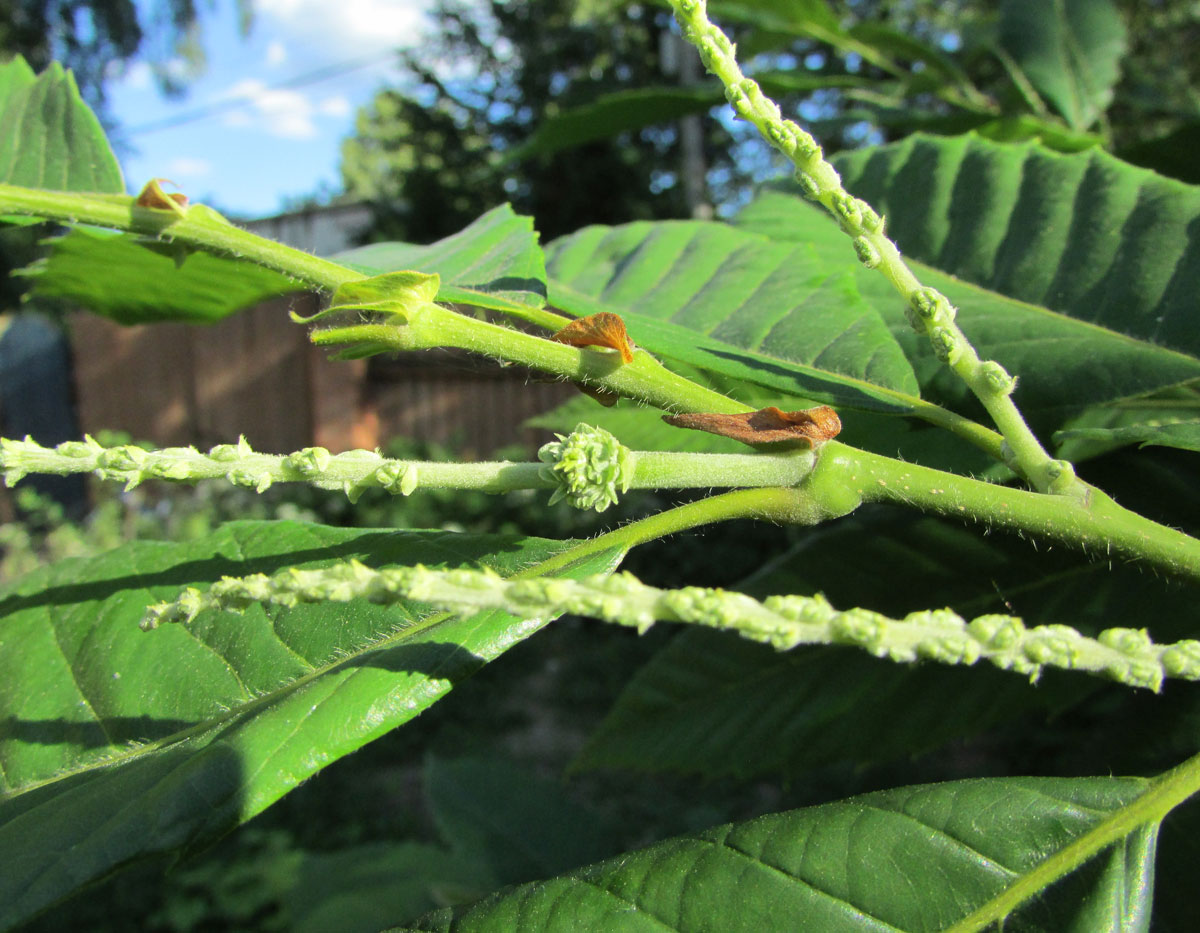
(121, 459)
(809, 187)
(996, 632)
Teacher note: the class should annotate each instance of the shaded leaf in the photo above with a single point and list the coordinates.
(51, 138)
(911, 859)
(1070, 50)
(116, 744)
(519, 825)
(365, 888)
(735, 304)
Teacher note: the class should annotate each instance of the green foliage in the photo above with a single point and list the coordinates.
(1074, 271)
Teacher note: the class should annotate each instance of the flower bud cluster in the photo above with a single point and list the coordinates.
(589, 467)
(350, 472)
(1125, 655)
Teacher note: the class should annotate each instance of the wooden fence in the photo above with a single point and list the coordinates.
(255, 373)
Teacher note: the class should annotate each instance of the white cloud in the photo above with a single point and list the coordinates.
(276, 53)
(336, 106)
(137, 76)
(348, 27)
(188, 167)
(281, 112)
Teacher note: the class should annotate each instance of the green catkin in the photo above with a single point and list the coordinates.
(928, 311)
(1127, 656)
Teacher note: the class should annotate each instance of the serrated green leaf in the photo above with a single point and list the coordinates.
(911, 859)
(51, 138)
(1074, 271)
(1183, 435)
(738, 305)
(135, 281)
(117, 744)
(1069, 50)
(493, 263)
(520, 825)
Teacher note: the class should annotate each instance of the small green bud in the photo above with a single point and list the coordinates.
(1136, 673)
(860, 627)
(781, 138)
(121, 459)
(391, 476)
(259, 481)
(1056, 645)
(172, 470)
(224, 453)
(78, 449)
(847, 209)
(1126, 640)
(996, 632)
(997, 379)
(871, 221)
(868, 255)
(950, 649)
(945, 344)
(309, 462)
(1060, 476)
(1182, 660)
(809, 187)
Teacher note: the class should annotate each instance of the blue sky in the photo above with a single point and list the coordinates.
(269, 142)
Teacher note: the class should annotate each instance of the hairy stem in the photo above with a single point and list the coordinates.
(1092, 522)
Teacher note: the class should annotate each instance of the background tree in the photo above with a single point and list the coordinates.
(434, 155)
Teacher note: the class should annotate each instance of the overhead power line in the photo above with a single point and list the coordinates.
(224, 105)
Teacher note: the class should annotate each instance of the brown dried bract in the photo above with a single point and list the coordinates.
(603, 329)
(767, 425)
(153, 196)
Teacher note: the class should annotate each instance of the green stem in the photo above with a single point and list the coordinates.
(1164, 794)
(770, 504)
(201, 227)
(644, 379)
(1093, 522)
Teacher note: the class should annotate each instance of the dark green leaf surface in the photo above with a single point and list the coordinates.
(134, 281)
(366, 888)
(51, 138)
(115, 744)
(1104, 318)
(494, 263)
(1069, 50)
(1185, 436)
(520, 825)
(911, 859)
(735, 304)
